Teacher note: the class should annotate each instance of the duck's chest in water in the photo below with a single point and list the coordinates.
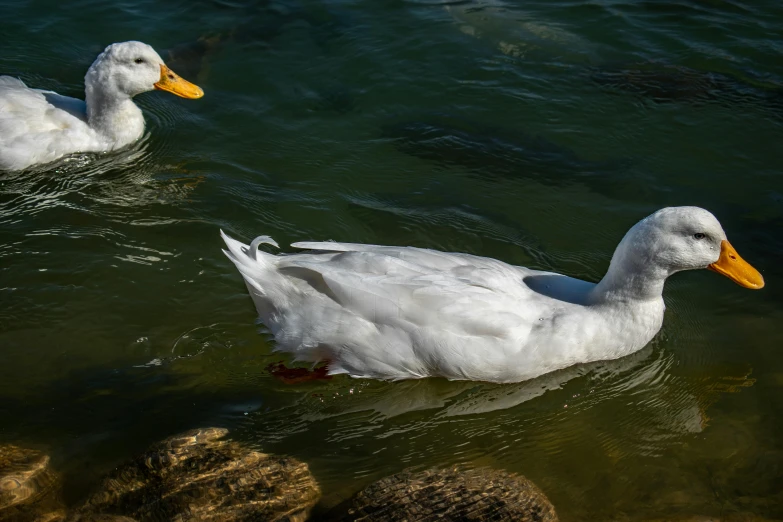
(621, 329)
(590, 334)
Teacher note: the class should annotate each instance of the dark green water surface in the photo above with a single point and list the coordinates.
(533, 132)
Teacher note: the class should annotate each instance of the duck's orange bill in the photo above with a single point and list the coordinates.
(173, 83)
(735, 268)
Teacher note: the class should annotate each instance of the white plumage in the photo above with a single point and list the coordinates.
(402, 312)
(39, 126)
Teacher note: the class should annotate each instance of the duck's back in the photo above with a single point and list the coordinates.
(39, 126)
(395, 312)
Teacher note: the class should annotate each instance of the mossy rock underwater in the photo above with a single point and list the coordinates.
(29, 489)
(451, 494)
(199, 476)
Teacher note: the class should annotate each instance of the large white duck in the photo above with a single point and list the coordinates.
(41, 126)
(404, 313)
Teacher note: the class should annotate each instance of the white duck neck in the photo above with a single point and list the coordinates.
(634, 273)
(110, 112)
(625, 281)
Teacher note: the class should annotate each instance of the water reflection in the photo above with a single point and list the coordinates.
(352, 431)
(610, 413)
(664, 405)
(97, 184)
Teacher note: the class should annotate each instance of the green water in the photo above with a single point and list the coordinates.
(477, 127)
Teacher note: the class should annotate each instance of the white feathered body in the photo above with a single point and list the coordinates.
(28, 122)
(39, 126)
(402, 312)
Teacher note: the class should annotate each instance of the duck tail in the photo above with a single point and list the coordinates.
(249, 260)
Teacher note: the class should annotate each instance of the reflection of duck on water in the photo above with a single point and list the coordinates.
(658, 405)
(669, 404)
(459, 398)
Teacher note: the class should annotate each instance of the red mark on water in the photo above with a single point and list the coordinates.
(298, 375)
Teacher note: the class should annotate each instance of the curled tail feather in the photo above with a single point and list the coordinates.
(246, 258)
(260, 240)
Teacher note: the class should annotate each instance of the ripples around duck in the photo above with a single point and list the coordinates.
(615, 410)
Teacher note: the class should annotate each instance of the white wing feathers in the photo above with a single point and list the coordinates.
(389, 312)
(39, 126)
(23, 110)
(390, 285)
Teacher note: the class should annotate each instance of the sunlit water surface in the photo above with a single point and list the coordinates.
(518, 131)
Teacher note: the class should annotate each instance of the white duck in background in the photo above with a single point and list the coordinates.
(41, 126)
(404, 313)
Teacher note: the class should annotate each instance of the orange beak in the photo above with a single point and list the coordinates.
(173, 83)
(735, 268)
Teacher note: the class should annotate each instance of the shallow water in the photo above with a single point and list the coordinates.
(510, 130)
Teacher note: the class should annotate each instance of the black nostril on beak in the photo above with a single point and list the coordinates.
(171, 76)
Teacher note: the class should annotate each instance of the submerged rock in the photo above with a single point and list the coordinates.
(198, 476)
(663, 82)
(451, 494)
(496, 153)
(94, 518)
(253, 25)
(28, 486)
(674, 83)
(731, 517)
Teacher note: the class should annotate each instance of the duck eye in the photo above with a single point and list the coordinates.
(699, 235)
(139, 60)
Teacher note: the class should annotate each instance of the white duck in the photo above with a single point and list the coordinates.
(41, 126)
(402, 312)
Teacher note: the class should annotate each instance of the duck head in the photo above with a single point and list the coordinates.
(669, 241)
(131, 68)
(685, 238)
